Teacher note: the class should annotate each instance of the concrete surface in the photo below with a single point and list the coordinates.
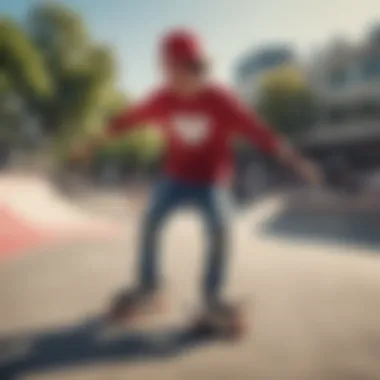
(314, 310)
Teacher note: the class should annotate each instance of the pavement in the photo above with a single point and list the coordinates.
(313, 305)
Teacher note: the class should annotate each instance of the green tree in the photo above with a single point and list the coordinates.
(55, 69)
(83, 71)
(22, 66)
(65, 45)
(286, 100)
(24, 80)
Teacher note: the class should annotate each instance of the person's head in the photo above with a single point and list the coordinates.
(183, 60)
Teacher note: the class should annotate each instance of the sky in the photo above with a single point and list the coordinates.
(230, 28)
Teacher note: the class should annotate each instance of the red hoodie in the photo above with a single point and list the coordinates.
(198, 131)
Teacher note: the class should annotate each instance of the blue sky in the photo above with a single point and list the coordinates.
(230, 27)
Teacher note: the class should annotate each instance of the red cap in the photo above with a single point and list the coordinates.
(182, 46)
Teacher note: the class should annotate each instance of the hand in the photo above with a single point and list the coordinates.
(306, 169)
(310, 172)
(84, 151)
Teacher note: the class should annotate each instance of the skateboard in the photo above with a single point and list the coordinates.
(231, 327)
(202, 323)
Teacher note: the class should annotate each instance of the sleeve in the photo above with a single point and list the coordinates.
(246, 123)
(149, 109)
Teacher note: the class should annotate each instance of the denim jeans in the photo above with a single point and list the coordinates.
(212, 203)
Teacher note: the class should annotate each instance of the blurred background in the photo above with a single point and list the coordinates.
(67, 68)
(309, 68)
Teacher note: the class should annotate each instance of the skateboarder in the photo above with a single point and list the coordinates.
(198, 118)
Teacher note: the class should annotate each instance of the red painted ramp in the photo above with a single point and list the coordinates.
(16, 235)
(33, 214)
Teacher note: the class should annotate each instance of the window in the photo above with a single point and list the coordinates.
(370, 68)
(368, 110)
(337, 115)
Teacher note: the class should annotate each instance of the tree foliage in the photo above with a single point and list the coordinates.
(65, 79)
(22, 67)
(286, 101)
(83, 71)
(79, 68)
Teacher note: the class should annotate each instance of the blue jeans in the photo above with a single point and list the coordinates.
(212, 202)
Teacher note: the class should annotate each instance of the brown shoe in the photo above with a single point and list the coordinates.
(133, 303)
(224, 319)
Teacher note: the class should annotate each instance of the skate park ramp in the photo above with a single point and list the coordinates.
(312, 313)
(33, 212)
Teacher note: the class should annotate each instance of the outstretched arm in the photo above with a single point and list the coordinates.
(148, 110)
(246, 123)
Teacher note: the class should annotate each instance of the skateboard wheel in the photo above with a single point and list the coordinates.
(236, 329)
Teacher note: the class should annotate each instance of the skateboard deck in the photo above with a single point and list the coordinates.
(194, 322)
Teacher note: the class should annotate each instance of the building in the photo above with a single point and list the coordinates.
(346, 81)
(257, 63)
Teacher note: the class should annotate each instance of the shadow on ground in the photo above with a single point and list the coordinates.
(81, 345)
(356, 228)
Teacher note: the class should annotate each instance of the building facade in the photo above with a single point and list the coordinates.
(345, 78)
(346, 81)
